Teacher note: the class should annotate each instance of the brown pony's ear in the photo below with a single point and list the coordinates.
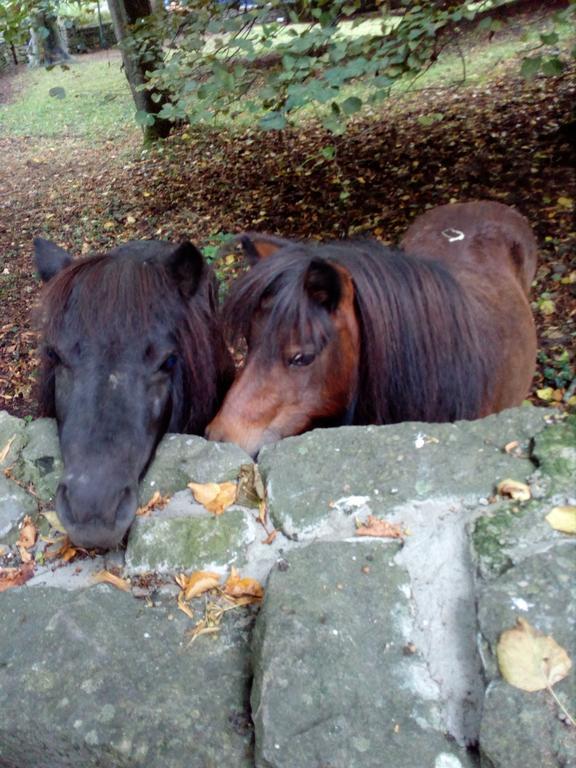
(323, 284)
(255, 246)
(49, 258)
(186, 266)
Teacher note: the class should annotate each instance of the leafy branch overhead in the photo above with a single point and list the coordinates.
(272, 60)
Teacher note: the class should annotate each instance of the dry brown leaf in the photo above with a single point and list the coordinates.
(375, 526)
(529, 660)
(514, 489)
(105, 577)
(26, 539)
(156, 502)
(197, 583)
(65, 550)
(251, 491)
(183, 606)
(562, 519)
(238, 587)
(215, 497)
(15, 577)
(6, 450)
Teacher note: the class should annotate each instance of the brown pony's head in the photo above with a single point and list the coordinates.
(296, 313)
(349, 333)
(130, 349)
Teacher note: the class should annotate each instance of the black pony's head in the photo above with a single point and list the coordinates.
(131, 349)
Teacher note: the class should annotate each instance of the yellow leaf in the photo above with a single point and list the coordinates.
(375, 526)
(130, 220)
(5, 451)
(105, 577)
(197, 583)
(529, 660)
(109, 225)
(215, 497)
(156, 502)
(230, 259)
(54, 521)
(514, 489)
(565, 202)
(562, 519)
(546, 394)
(238, 587)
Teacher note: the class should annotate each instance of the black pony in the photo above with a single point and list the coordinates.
(131, 349)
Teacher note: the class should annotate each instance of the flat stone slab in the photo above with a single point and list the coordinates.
(12, 438)
(40, 462)
(186, 543)
(336, 614)
(14, 504)
(521, 728)
(381, 467)
(96, 679)
(181, 459)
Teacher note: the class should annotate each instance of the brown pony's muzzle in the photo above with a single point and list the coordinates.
(250, 439)
(95, 516)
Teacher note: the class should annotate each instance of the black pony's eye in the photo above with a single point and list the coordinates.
(52, 355)
(300, 359)
(169, 363)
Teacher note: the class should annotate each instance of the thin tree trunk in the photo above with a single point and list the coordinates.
(126, 13)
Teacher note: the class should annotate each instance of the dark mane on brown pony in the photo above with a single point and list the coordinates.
(421, 354)
(119, 297)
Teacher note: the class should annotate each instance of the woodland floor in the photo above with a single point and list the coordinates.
(503, 140)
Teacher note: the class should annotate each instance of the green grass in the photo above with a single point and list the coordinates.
(97, 102)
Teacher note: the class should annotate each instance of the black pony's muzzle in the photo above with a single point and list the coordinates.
(95, 518)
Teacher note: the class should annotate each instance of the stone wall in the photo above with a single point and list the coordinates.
(366, 652)
(87, 38)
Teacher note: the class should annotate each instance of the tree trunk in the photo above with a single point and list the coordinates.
(47, 46)
(126, 13)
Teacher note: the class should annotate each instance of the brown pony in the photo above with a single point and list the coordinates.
(357, 333)
(131, 349)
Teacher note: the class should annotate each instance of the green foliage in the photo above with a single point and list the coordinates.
(275, 60)
(266, 61)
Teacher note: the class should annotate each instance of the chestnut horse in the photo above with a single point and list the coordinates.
(357, 333)
(131, 348)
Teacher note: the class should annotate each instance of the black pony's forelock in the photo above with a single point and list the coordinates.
(114, 296)
(422, 355)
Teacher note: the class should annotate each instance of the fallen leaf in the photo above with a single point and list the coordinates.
(562, 519)
(6, 450)
(65, 551)
(375, 526)
(15, 577)
(197, 583)
(215, 497)
(54, 521)
(514, 489)
(238, 587)
(565, 202)
(546, 394)
(26, 539)
(529, 660)
(156, 502)
(105, 577)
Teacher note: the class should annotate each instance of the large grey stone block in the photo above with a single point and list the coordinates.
(521, 728)
(381, 467)
(336, 680)
(95, 679)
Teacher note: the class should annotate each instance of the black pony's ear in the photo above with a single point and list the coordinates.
(323, 284)
(49, 258)
(186, 266)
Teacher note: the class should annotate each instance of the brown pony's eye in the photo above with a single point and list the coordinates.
(301, 359)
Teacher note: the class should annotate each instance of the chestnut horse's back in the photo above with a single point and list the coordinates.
(481, 233)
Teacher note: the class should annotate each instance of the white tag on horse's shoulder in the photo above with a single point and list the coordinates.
(452, 235)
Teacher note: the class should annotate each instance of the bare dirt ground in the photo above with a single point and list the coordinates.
(506, 141)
